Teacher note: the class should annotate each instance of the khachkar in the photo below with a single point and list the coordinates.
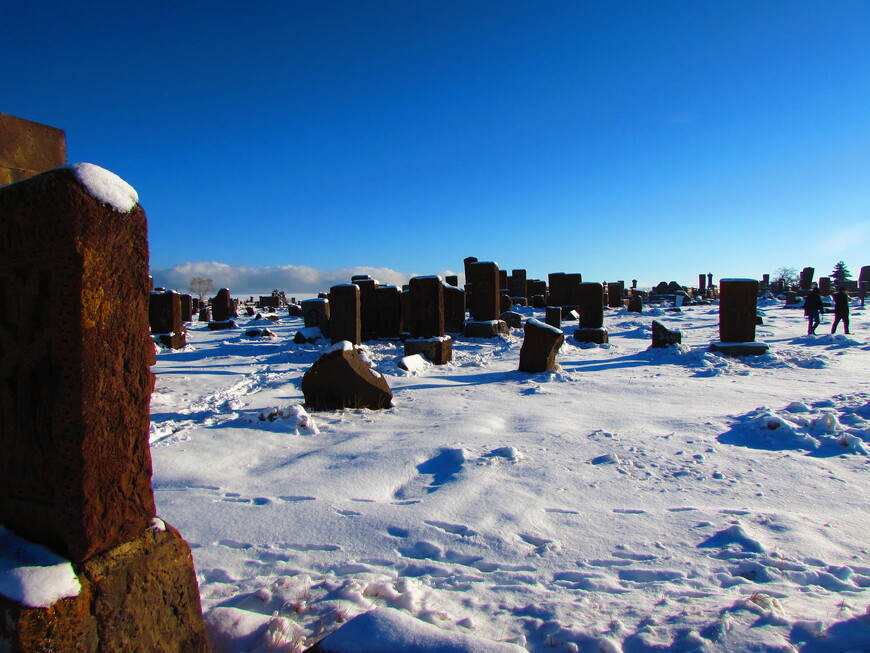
(738, 300)
(426, 320)
(485, 307)
(591, 310)
(77, 478)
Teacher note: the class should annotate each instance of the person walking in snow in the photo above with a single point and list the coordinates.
(841, 309)
(813, 310)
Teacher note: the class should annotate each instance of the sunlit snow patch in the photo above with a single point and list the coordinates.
(105, 186)
(32, 575)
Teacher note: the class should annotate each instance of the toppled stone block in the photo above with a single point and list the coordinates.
(436, 350)
(486, 329)
(597, 336)
(138, 597)
(663, 336)
(256, 332)
(512, 319)
(307, 335)
(541, 343)
(413, 363)
(342, 378)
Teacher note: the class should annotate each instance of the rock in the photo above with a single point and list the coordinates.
(436, 350)
(541, 343)
(307, 335)
(341, 378)
(259, 333)
(294, 310)
(218, 325)
(512, 319)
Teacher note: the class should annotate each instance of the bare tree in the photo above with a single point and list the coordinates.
(201, 287)
(788, 276)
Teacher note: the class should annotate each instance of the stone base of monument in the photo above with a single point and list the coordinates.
(486, 329)
(435, 350)
(538, 301)
(171, 340)
(138, 596)
(513, 319)
(598, 336)
(221, 324)
(519, 301)
(739, 348)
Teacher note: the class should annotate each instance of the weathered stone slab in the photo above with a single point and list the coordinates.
(436, 350)
(485, 290)
(806, 278)
(512, 319)
(518, 283)
(344, 313)
(553, 316)
(663, 336)
(591, 305)
(454, 309)
(485, 329)
(221, 325)
(315, 313)
(186, 307)
(222, 307)
(738, 300)
(825, 286)
(75, 467)
(138, 597)
(596, 336)
(28, 148)
(556, 288)
(426, 314)
(342, 379)
(635, 304)
(452, 280)
(541, 343)
(615, 290)
(165, 321)
(389, 304)
(368, 308)
(205, 314)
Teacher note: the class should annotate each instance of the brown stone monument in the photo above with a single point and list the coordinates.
(165, 319)
(486, 305)
(28, 148)
(315, 313)
(389, 302)
(591, 310)
(738, 299)
(426, 321)
(344, 313)
(77, 477)
(541, 343)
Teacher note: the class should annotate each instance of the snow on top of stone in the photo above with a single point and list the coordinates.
(106, 187)
(341, 345)
(737, 279)
(429, 276)
(32, 575)
(543, 325)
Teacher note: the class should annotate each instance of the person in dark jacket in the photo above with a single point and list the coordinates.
(813, 310)
(841, 309)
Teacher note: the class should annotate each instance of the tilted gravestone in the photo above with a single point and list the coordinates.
(806, 278)
(426, 321)
(663, 336)
(344, 313)
(223, 310)
(825, 285)
(77, 478)
(541, 343)
(591, 310)
(738, 300)
(342, 378)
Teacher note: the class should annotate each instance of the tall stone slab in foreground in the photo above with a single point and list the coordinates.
(75, 465)
(344, 313)
(738, 299)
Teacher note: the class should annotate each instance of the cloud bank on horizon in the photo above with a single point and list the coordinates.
(243, 280)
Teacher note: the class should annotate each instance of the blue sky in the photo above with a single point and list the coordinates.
(650, 140)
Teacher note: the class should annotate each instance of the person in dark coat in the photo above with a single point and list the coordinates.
(813, 310)
(841, 309)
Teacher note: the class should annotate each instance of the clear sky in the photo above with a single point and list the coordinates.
(625, 139)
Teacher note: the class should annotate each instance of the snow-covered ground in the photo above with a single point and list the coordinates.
(637, 500)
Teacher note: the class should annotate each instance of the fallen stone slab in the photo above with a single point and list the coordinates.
(342, 378)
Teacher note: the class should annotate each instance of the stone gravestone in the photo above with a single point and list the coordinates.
(389, 301)
(469, 282)
(486, 305)
(806, 278)
(344, 313)
(702, 283)
(452, 280)
(541, 343)
(368, 308)
(186, 307)
(738, 300)
(591, 310)
(223, 311)
(635, 303)
(454, 309)
(76, 477)
(825, 285)
(315, 313)
(663, 336)
(553, 316)
(164, 318)
(426, 321)
(205, 314)
(518, 287)
(342, 378)
(28, 148)
(537, 290)
(556, 288)
(614, 293)
(571, 292)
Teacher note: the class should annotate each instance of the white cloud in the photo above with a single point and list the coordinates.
(845, 240)
(246, 280)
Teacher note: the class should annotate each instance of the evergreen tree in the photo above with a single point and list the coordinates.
(841, 273)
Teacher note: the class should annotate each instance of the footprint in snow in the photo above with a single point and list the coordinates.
(540, 544)
(453, 529)
(629, 511)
